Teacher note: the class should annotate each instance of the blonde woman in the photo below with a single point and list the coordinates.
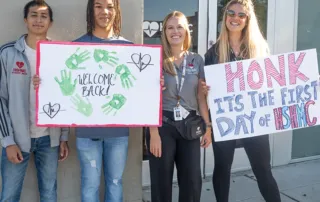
(240, 38)
(183, 99)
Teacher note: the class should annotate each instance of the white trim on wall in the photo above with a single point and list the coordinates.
(296, 17)
(271, 23)
(202, 27)
(213, 20)
(285, 28)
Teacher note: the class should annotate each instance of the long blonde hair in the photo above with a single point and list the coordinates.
(253, 43)
(167, 54)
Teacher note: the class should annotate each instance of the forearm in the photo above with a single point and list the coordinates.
(203, 106)
(153, 130)
(64, 134)
(6, 132)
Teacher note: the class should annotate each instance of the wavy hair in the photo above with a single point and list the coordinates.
(253, 44)
(167, 54)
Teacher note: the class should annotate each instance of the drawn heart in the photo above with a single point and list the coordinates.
(141, 61)
(150, 28)
(51, 110)
(20, 64)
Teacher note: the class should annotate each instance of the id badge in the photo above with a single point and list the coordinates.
(184, 112)
(177, 112)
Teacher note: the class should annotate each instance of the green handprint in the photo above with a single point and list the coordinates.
(105, 56)
(66, 86)
(81, 106)
(76, 59)
(124, 73)
(115, 104)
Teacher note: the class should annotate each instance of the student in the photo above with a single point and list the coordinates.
(241, 38)
(102, 147)
(20, 136)
(183, 70)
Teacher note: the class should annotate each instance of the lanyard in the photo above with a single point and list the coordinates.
(179, 87)
(235, 57)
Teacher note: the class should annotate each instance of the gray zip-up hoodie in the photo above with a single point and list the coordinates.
(15, 78)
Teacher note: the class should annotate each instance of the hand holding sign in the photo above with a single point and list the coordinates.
(81, 106)
(105, 56)
(124, 73)
(66, 86)
(75, 60)
(115, 104)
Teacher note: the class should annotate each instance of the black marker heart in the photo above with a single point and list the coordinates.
(140, 61)
(51, 110)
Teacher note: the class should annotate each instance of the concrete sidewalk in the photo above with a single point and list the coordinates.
(298, 182)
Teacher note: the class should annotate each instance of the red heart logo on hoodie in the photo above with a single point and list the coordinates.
(20, 64)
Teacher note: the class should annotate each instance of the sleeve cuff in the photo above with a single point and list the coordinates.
(64, 137)
(7, 141)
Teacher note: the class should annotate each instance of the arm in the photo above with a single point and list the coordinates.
(155, 142)
(64, 134)
(201, 96)
(64, 148)
(203, 106)
(202, 102)
(6, 130)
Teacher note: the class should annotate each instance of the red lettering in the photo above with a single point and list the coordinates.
(271, 71)
(294, 66)
(255, 67)
(293, 116)
(306, 109)
(278, 118)
(231, 76)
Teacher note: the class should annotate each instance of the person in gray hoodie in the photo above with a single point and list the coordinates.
(20, 137)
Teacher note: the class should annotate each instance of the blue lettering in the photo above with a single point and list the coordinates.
(283, 95)
(299, 91)
(291, 91)
(229, 99)
(314, 84)
(240, 104)
(226, 120)
(263, 99)
(307, 92)
(271, 97)
(241, 122)
(253, 99)
(301, 115)
(220, 110)
(286, 116)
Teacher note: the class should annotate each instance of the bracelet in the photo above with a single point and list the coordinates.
(209, 124)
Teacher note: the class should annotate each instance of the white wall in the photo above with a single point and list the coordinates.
(284, 34)
(69, 23)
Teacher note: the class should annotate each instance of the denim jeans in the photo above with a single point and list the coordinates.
(46, 162)
(112, 154)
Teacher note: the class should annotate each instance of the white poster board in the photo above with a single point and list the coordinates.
(263, 96)
(98, 85)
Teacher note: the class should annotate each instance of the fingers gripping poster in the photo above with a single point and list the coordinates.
(98, 85)
(264, 96)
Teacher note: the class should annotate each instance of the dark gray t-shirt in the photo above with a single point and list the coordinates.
(194, 72)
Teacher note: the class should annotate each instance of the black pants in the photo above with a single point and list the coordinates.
(186, 155)
(258, 151)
